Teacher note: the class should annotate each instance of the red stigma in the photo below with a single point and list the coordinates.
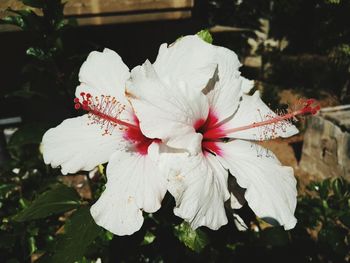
(86, 101)
(310, 106)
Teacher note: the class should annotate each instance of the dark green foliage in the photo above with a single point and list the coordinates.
(242, 15)
(313, 26)
(325, 211)
(238, 13)
(316, 59)
(311, 75)
(79, 233)
(57, 200)
(50, 76)
(27, 137)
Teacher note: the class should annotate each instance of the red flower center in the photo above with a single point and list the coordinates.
(212, 133)
(140, 141)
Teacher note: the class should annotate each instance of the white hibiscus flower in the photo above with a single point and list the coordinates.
(186, 114)
(108, 133)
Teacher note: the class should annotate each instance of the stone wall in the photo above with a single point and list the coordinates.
(326, 148)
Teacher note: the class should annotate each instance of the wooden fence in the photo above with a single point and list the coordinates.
(101, 12)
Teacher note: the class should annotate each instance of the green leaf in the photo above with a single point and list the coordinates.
(54, 201)
(25, 19)
(148, 238)
(194, 239)
(205, 35)
(6, 190)
(13, 20)
(325, 188)
(313, 186)
(28, 134)
(23, 203)
(32, 245)
(80, 232)
(339, 187)
(108, 235)
(61, 24)
(38, 53)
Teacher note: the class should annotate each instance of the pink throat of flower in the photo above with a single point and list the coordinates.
(105, 111)
(211, 133)
(139, 140)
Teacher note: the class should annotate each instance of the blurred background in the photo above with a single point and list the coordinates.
(292, 48)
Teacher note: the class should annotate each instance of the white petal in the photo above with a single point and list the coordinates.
(194, 61)
(247, 85)
(103, 73)
(200, 190)
(75, 145)
(167, 112)
(251, 110)
(139, 176)
(271, 188)
(226, 87)
(117, 213)
(189, 59)
(134, 183)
